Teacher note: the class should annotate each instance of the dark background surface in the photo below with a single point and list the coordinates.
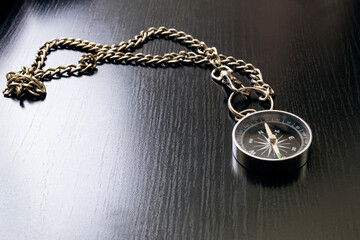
(135, 152)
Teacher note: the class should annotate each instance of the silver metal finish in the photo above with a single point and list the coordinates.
(263, 153)
(246, 91)
(28, 82)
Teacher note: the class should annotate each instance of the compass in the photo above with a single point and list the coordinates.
(271, 141)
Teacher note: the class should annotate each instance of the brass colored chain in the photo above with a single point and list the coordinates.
(28, 82)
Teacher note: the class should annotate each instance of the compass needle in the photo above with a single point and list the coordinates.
(272, 140)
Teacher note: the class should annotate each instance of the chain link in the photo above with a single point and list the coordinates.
(29, 81)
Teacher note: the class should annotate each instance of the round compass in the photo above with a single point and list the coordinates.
(271, 141)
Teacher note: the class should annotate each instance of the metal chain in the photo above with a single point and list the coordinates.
(28, 82)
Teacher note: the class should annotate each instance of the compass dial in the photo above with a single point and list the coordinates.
(271, 135)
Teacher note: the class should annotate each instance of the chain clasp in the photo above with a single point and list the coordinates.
(224, 75)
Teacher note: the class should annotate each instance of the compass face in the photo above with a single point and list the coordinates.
(271, 136)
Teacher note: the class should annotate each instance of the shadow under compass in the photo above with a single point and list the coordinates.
(269, 179)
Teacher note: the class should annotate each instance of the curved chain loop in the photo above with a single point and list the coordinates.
(29, 81)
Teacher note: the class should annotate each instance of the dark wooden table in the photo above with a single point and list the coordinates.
(134, 152)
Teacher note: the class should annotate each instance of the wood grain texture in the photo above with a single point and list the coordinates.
(135, 152)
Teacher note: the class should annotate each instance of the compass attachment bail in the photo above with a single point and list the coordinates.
(246, 91)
